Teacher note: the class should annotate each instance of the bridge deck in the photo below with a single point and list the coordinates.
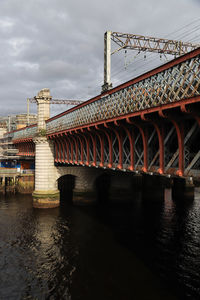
(170, 85)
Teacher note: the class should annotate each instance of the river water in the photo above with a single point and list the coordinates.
(134, 251)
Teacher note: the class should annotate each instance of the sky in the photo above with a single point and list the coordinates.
(58, 44)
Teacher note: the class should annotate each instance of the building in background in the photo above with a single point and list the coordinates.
(9, 157)
(17, 121)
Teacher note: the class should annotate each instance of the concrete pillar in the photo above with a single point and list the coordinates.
(152, 188)
(182, 189)
(46, 194)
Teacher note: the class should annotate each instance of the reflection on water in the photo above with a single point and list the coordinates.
(100, 253)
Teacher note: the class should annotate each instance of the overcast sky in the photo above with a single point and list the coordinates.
(58, 44)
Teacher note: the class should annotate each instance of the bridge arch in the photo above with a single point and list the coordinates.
(66, 184)
(78, 181)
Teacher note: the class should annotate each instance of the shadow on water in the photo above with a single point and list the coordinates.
(66, 185)
(164, 234)
(102, 252)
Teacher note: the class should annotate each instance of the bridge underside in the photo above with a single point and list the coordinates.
(164, 141)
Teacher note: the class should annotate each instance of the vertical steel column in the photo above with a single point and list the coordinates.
(67, 147)
(81, 144)
(107, 61)
(101, 140)
(94, 143)
(180, 136)
(160, 133)
(131, 142)
(145, 143)
(110, 146)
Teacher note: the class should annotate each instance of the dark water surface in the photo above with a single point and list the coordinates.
(138, 251)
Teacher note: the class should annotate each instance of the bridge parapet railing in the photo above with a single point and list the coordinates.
(172, 82)
(23, 133)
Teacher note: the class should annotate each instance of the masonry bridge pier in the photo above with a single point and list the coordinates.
(143, 134)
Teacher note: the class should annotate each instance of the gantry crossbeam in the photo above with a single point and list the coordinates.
(140, 43)
(151, 44)
(59, 101)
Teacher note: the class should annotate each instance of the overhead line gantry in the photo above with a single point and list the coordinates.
(140, 43)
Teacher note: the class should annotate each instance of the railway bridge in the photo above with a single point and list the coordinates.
(148, 125)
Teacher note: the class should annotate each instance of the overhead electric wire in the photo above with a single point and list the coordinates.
(143, 68)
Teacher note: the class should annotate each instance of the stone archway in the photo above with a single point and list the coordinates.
(66, 184)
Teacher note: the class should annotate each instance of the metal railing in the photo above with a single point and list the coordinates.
(27, 132)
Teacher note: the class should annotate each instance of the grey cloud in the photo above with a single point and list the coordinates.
(59, 44)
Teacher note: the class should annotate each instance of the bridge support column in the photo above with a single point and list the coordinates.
(152, 187)
(182, 189)
(80, 181)
(46, 194)
(84, 192)
(124, 187)
(2, 186)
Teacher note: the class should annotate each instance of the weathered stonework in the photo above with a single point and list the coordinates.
(46, 199)
(25, 184)
(43, 108)
(84, 190)
(46, 193)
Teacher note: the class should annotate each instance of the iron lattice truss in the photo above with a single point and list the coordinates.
(179, 81)
(151, 44)
(171, 85)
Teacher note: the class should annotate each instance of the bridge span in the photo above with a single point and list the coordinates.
(148, 125)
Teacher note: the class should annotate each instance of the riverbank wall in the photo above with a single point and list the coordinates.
(14, 182)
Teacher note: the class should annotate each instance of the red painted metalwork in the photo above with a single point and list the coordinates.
(194, 114)
(56, 150)
(87, 147)
(110, 164)
(58, 138)
(81, 144)
(120, 144)
(76, 148)
(59, 147)
(94, 143)
(180, 135)
(160, 133)
(145, 142)
(132, 144)
(72, 148)
(67, 147)
(63, 148)
(197, 119)
(101, 140)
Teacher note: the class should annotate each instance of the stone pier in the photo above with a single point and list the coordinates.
(46, 194)
(182, 189)
(152, 187)
(81, 181)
